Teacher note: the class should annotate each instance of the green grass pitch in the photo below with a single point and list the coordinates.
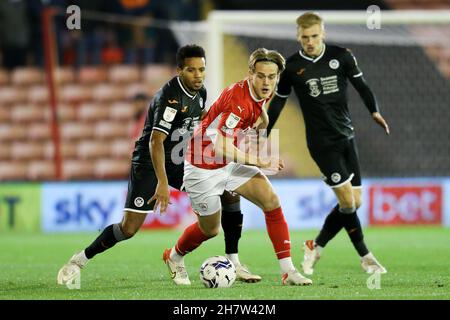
(417, 259)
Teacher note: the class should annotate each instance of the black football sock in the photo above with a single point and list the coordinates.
(331, 227)
(353, 227)
(232, 227)
(107, 239)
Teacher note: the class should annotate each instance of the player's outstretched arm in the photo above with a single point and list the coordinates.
(360, 84)
(162, 192)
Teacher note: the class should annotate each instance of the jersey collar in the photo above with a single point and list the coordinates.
(184, 90)
(251, 93)
(312, 59)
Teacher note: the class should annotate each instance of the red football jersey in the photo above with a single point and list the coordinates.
(233, 113)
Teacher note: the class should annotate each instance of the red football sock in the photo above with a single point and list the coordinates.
(278, 231)
(191, 238)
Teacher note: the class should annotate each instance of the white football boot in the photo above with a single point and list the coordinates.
(72, 269)
(295, 278)
(177, 271)
(310, 257)
(243, 274)
(371, 265)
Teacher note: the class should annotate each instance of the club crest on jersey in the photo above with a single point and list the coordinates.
(232, 121)
(169, 114)
(313, 84)
(200, 101)
(334, 64)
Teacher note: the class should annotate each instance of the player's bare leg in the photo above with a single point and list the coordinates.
(193, 236)
(259, 191)
(232, 226)
(127, 228)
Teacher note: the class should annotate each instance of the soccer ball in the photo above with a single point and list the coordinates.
(217, 272)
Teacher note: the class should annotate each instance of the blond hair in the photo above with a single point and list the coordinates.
(262, 54)
(308, 19)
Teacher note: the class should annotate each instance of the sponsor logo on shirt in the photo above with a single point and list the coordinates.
(313, 84)
(172, 101)
(165, 124)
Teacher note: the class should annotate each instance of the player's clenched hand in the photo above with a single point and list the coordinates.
(270, 163)
(380, 120)
(162, 195)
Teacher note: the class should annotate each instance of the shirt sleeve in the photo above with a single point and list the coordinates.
(284, 85)
(231, 119)
(166, 109)
(351, 65)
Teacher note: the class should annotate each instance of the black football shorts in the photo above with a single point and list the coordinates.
(338, 163)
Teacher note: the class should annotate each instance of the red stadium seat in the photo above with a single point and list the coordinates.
(41, 170)
(133, 89)
(64, 75)
(29, 113)
(5, 113)
(112, 169)
(12, 132)
(5, 150)
(107, 92)
(112, 129)
(39, 131)
(66, 112)
(4, 77)
(93, 149)
(68, 150)
(155, 75)
(92, 111)
(122, 111)
(10, 95)
(90, 75)
(121, 148)
(13, 171)
(38, 94)
(124, 74)
(73, 93)
(27, 150)
(76, 130)
(78, 169)
(27, 76)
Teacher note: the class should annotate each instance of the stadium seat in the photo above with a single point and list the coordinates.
(121, 111)
(67, 112)
(121, 148)
(38, 94)
(68, 150)
(29, 113)
(93, 149)
(64, 75)
(112, 169)
(5, 150)
(107, 92)
(12, 132)
(76, 130)
(39, 131)
(9, 95)
(112, 129)
(26, 76)
(5, 113)
(133, 89)
(4, 77)
(13, 171)
(74, 93)
(90, 75)
(155, 75)
(41, 170)
(92, 111)
(78, 169)
(124, 74)
(27, 150)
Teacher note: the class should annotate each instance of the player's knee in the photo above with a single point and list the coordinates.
(271, 202)
(347, 202)
(128, 230)
(211, 232)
